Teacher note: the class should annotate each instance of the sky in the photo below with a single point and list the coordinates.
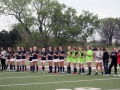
(104, 8)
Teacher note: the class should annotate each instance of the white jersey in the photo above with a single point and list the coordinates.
(99, 55)
(3, 54)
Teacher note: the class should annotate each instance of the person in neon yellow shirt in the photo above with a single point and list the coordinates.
(74, 59)
(89, 54)
(81, 60)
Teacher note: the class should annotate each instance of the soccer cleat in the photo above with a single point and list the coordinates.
(96, 73)
(114, 75)
(75, 73)
(88, 74)
(119, 75)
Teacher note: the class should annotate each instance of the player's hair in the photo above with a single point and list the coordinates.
(81, 48)
(104, 49)
(99, 47)
(89, 47)
(74, 48)
(12, 50)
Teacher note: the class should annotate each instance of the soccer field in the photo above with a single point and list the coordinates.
(40, 81)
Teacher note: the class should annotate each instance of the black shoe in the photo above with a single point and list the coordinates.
(96, 73)
(79, 73)
(88, 74)
(17, 70)
(49, 72)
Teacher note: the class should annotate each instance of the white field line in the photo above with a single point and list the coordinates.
(27, 84)
(32, 76)
(40, 72)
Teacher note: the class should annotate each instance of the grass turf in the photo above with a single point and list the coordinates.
(40, 81)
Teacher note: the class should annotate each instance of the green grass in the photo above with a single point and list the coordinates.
(55, 81)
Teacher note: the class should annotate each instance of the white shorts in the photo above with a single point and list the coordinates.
(55, 60)
(98, 61)
(49, 60)
(30, 61)
(43, 60)
(18, 60)
(23, 59)
(68, 61)
(8, 59)
(88, 61)
(61, 60)
(12, 59)
(34, 60)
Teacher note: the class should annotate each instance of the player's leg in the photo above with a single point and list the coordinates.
(97, 63)
(101, 67)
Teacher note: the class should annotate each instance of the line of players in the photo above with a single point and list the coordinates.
(56, 56)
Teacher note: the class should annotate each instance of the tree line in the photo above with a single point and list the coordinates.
(49, 23)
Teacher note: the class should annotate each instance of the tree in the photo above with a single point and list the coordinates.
(88, 24)
(108, 29)
(18, 9)
(117, 32)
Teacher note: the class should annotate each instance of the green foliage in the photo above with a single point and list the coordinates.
(47, 22)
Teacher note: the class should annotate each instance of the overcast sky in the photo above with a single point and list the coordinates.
(104, 8)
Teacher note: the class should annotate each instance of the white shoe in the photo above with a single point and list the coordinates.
(119, 75)
(43, 72)
(114, 75)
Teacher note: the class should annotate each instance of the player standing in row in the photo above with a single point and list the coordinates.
(43, 59)
(61, 59)
(99, 60)
(56, 59)
(74, 59)
(35, 58)
(12, 59)
(8, 58)
(30, 59)
(50, 59)
(88, 55)
(105, 61)
(81, 60)
(114, 61)
(18, 59)
(23, 56)
(69, 54)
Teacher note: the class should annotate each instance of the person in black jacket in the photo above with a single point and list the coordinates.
(113, 56)
(105, 61)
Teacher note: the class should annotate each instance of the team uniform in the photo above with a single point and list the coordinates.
(74, 59)
(43, 59)
(81, 61)
(89, 59)
(69, 59)
(50, 58)
(81, 58)
(30, 60)
(61, 59)
(8, 58)
(12, 59)
(35, 58)
(56, 59)
(23, 59)
(23, 55)
(18, 59)
(30, 56)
